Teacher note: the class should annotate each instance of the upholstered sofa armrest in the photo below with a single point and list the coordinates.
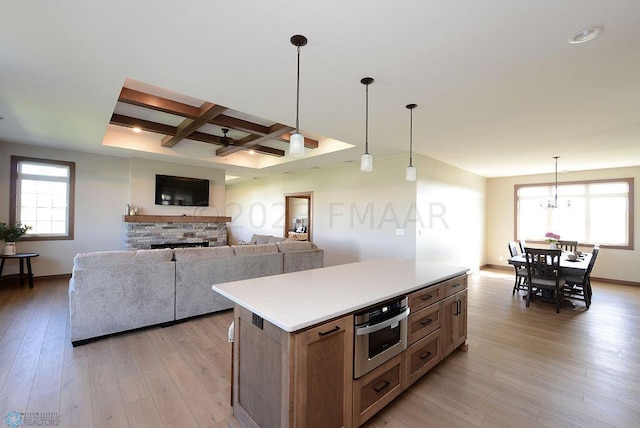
(114, 291)
(300, 255)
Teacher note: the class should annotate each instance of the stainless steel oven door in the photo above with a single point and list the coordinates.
(376, 343)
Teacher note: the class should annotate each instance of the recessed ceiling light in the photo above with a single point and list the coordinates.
(252, 152)
(586, 34)
(136, 129)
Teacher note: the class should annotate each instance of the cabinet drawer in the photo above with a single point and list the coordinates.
(425, 297)
(454, 285)
(376, 389)
(422, 357)
(423, 322)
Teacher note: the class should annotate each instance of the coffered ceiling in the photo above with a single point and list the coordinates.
(499, 89)
(208, 123)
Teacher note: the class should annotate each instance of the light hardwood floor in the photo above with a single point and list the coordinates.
(525, 367)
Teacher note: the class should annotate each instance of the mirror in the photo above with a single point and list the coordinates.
(298, 207)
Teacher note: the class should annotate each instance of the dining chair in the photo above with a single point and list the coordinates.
(523, 244)
(521, 271)
(543, 273)
(579, 287)
(567, 245)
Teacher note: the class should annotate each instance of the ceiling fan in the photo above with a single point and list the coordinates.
(224, 140)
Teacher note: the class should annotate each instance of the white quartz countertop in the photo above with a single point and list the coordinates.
(294, 301)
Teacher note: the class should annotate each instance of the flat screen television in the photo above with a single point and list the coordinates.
(182, 191)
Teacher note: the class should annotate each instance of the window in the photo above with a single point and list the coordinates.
(42, 194)
(590, 212)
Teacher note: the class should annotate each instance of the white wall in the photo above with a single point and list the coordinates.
(452, 204)
(612, 264)
(143, 175)
(104, 185)
(101, 192)
(355, 214)
(362, 216)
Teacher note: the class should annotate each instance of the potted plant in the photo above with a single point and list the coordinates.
(552, 238)
(10, 234)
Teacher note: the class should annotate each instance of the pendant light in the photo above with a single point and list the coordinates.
(296, 142)
(555, 196)
(410, 174)
(366, 161)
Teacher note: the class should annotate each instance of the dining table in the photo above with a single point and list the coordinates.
(568, 267)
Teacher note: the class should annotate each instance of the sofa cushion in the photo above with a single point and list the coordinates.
(203, 253)
(101, 259)
(252, 250)
(275, 239)
(289, 246)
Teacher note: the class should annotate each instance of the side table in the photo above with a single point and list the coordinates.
(22, 257)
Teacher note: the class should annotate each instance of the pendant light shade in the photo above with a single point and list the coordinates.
(296, 142)
(410, 174)
(296, 145)
(366, 161)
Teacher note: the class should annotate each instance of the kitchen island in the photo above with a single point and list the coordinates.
(294, 339)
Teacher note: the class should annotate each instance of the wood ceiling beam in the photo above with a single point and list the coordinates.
(274, 132)
(188, 126)
(153, 102)
(195, 118)
(240, 125)
(159, 128)
(264, 150)
(145, 125)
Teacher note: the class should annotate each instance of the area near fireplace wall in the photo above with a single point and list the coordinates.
(142, 231)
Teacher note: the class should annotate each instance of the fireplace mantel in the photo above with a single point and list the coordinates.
(175, 219)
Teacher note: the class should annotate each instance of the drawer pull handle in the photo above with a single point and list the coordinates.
(333, 330)
(382, 386)
(426, 321)
(457, 285)
(427, 297)
(425, 355)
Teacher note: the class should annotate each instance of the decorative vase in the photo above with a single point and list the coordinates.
(553, 246)
(9, 248)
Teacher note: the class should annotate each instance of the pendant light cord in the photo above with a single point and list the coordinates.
(298, 96)
(366, 122)
(556, 195)
(411, 137)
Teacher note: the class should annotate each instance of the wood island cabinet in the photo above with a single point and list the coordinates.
(301, 379)
(376, 389)
(454, 326)
(422, 357)
(323, 373)
(304, 377)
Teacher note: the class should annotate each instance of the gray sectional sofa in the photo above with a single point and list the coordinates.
(115, 291)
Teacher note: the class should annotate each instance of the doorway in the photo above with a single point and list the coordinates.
(298, 208)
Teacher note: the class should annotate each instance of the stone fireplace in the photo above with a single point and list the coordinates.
(145, 231)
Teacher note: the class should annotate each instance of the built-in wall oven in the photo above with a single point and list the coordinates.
(380, 334)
